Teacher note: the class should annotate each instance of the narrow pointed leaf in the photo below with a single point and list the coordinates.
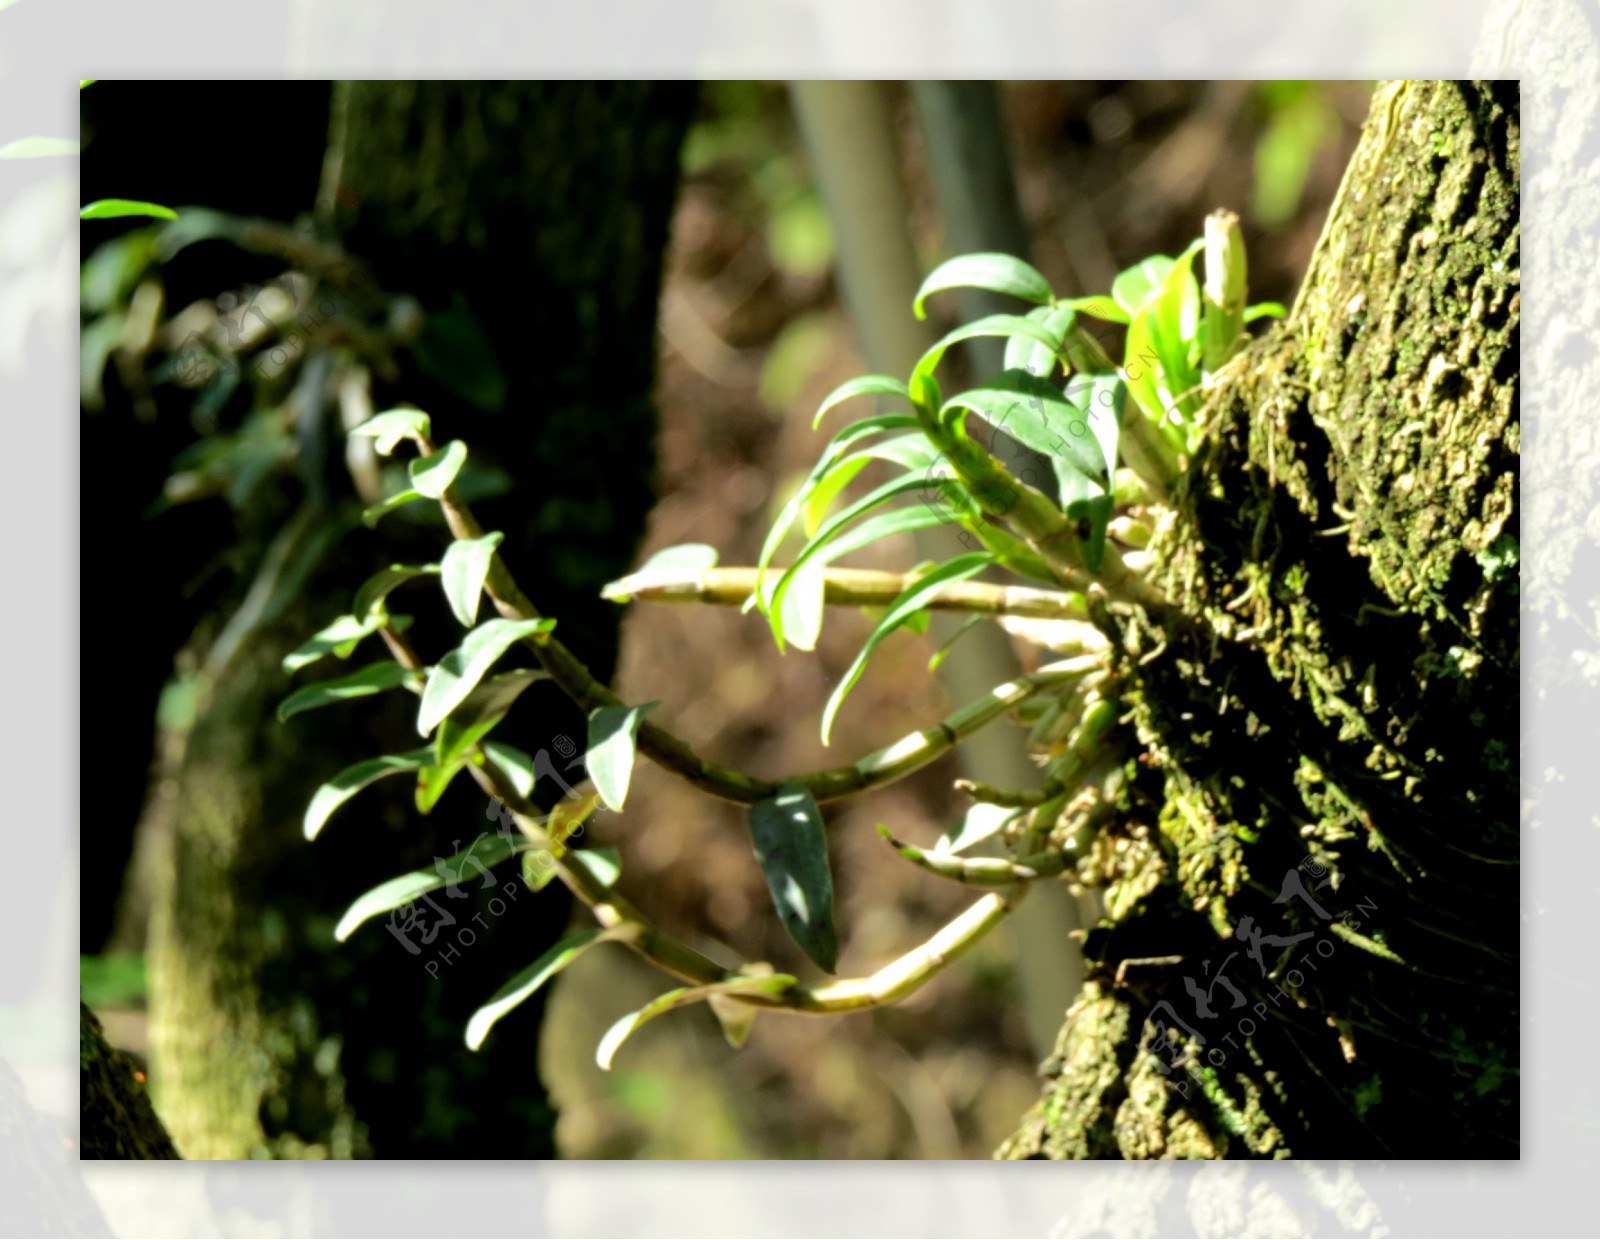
(1008, 325)
(1027, 353)
(459, 672)
(121, 208)
(462, 572)
(604, 865)
(910, 602)
(377, 512)
(1035, 413)
(1264, 310)
(772, 984)
(432, 475)
(432, 782)
(374, 678)
(1102, 400)
(1140, 284)
(866, 385)
(999, 273)
(340, 638)
(609, 761)
(516, 765)
(1100, 307)
(485, 852)
(393, 425)
(792, 848)
(377, 587)
(353, 779)
(525, 984)
(978, 824)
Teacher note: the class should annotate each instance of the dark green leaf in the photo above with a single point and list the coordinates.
(118, 208)
(911, 601)
(377, 512)
(432, 475)
(526, 983)
(432, 782)
(353, 779)
(340, 638)
(459, 672)
(1034, 412)
(454, 351)
(467, 865)
(481, 710)
(462, 572)
(999, 273)
(772, 984)
(866, 385)
(374, 678)
(609, 761)
(792, 848)
(376, 588)
(393, 425)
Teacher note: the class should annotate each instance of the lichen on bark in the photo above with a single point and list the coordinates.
(1333, 704)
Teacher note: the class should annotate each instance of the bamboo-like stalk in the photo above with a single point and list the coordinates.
(978, 871)
(845, 587)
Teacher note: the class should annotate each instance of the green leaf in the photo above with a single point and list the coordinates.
(353, 779)
(340, 638)
(491, 699)
(912, 600)
(1100, 307)
(834, 452)
(454, 351)
(38, 148)
(376, 588)
(1009, 325)
(1264, 310)
(772, 984)
(792, 849)
(999, 273)
(432, 782)
(377, 512)
(1087, 503)
(526, 983)
(432, 475)
(1102, 401)
(459, 672)
(1175, 332)
(834, 524)
(1140, 284)
(374, 678)
(604, 865)
(1027, 353)
(979, 823)
(514, 763)
(462, 572)
(684, 557)
(1034, 412)
(866, 385)
(609, 761)
(538, 869)
(479, 856)
(393, 425)
(118, 208)
(910, 452)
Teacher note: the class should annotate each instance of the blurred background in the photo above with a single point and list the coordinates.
(756, 324)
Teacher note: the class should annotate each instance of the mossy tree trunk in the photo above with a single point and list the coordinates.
(1330, 727)
(540, 212)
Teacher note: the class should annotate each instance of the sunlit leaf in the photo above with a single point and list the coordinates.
(513, 763)
(462, 572)
(910, 452)
(119, 208)
(604, 865)
(911, 601)
(1099, 307)
(459, 672)
(1007, 325)
(369, 680)
(865, 385)
(432, 475)
(1141, 284)
(525, 984)
(1035, 413)
(353, 779)
(393, 425)
(999, 273)
(772, 984)
(377, 512)
(1265, 310)
(339, 638)
(1026, 353)
(979, 823)
(472, 863)
(609, 760)
(685, 556)
(792, 849)
(432, 782)
(376, 588)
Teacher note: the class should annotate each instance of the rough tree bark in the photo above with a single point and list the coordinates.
(541, 210)
(1337, 706)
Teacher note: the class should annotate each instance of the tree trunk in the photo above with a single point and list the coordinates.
(1312, 890)
(117, 1118)
(532, 216)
